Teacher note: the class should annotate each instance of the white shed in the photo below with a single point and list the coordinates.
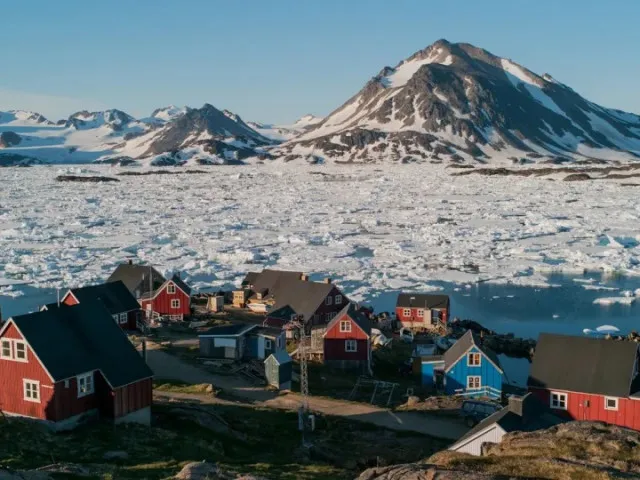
(524, 414)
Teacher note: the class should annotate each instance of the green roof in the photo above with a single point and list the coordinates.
(73, 340)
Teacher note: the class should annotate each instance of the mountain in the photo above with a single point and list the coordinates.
(160, 116)
(457, 102)
(170, 136)
(282, 133)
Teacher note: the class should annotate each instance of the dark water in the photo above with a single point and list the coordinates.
(527, 311)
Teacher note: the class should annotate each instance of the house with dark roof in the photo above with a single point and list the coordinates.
(522, 414)
(158, 296)
(114, 296)
(241, 341)
(280, 294)
(65, 365)
(591, 379)
(422, 311)
(469, 369)
(347, 340)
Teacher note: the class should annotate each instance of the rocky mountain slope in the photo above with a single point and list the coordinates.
(170, 136)
(584, 450)
(456, 102)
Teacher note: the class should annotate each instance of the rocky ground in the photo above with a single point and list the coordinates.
(576, 450)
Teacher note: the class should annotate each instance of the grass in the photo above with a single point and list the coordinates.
(176, 386)
(256, 441)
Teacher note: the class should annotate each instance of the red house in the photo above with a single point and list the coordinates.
(158, 296)
(171, 300)
(590, 379)
(115, 297)
(65, 365)
(422, 311)
(347, 340)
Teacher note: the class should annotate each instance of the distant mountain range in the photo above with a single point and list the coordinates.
(451, 102)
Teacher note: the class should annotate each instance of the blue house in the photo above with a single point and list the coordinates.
(472, 370)
(468, 369)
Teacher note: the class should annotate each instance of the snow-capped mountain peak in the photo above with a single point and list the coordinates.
(165, 114)
(457, 102)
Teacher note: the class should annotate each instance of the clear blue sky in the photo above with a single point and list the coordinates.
(274, 61)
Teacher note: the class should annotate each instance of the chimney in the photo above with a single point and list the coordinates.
(327, 280)
(522, 406)
(130, 262)
(304, 277)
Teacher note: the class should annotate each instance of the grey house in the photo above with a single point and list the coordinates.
(241, 341)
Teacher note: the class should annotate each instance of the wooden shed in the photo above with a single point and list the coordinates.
(215, 304)
(278, 369)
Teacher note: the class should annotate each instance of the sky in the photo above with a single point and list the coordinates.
(274, 61)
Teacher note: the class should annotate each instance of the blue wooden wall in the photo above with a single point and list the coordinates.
(456, 377)
(427, 372)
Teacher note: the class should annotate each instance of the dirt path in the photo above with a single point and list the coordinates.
(166, 366)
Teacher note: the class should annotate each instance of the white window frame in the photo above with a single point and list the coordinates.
(34, 387)
(2, 344)
(345, 326)
(406, 312)
(348, 343)
(267, 344)
(123, 318)
(472, 380)
(606, 403)
(85, 377)
(15, 351)
(560, 398)
(338, 299)
(329, 300)
(175, 303)
(421, 313)
(115, 318)
(474, 355)
(171, 289)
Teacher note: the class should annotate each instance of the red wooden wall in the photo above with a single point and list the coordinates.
(132, 397)
(162, 303)
(334, 342)
(12, 374)
(414, 315)
(627, 415)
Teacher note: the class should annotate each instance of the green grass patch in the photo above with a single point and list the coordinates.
(176, 386)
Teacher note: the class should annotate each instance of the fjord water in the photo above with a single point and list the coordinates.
(565, 307)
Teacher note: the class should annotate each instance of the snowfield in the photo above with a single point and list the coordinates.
(392, 227)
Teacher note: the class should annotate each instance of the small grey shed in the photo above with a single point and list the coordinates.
(278, 369)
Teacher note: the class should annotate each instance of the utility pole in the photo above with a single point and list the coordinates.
(306, 422)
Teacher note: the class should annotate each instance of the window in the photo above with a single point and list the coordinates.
(115, 318)
(406, 312)
(175, 303)
(20, 350)
(329, 300)
(474, 382)
(123, 318)
(473, 360)
(345, 326)
(559, 400)
(13, 350)
(5, 351)
(420, 313)
(610, 403)
(267, 344)
(338, 299)
(330, 316)
(171, 289)
(31, 390)
(85, 384)
(350, 346)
